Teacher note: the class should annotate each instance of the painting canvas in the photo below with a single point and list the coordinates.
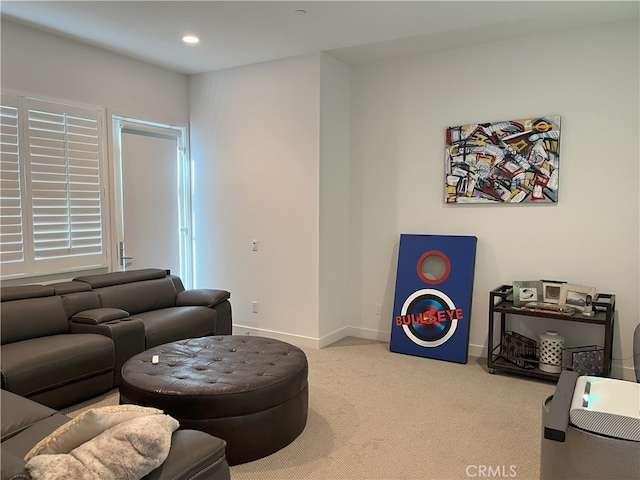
(514, 161)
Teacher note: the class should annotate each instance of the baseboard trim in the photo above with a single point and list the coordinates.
(366, 333)
(311, 342)
(477, 351)
(623, 372)
(297, 340)
(617, 371)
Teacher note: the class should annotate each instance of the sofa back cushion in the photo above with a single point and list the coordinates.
(25, 291)
(79, 302)
(137, 297)
(62, 288)
(32, 318)
(177, 282)
(118, 278)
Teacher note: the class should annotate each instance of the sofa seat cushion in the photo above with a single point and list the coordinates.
(21, 443)
(39, 364)
(30, 413)
(177, 323)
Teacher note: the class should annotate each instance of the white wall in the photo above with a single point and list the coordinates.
(337, 306)
(57, 68)
(400, 110)
(255, 148)
(270, 144)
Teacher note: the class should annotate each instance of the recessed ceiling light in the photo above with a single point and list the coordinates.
(191, 39)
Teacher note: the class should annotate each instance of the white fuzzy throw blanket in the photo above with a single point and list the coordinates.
(128, 451)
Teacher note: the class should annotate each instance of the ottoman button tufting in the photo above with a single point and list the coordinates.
(256, 413)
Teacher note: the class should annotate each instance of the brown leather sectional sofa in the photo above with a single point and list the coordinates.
(66, 342)
(193, 454)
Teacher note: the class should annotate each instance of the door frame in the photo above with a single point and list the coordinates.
(116, 122)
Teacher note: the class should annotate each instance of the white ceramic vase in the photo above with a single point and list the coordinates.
(551, 346)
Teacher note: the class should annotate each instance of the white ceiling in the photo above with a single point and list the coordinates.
(236, 33)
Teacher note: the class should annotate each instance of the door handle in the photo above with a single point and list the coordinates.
(123, 258)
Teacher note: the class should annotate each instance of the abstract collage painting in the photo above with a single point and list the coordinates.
(514, 161)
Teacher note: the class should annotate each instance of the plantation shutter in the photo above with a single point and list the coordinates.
(65, 183)
(52, 187)
(12, 251)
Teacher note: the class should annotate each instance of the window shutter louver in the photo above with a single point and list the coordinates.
(12, 253)
(61, 216)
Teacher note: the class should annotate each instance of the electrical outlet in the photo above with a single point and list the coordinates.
(254, 307)
(254, 245)
(378, 309)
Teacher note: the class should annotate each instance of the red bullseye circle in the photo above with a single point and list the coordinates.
(441, 256)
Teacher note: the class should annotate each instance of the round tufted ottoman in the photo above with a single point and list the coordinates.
(250, 391)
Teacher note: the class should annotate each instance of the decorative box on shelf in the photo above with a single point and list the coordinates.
(519, 350)
(587, 360)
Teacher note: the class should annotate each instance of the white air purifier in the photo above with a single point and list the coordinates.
(607, 406)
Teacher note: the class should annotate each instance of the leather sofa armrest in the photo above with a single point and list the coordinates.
(127, 335)
(97, 316)
(193, 454)
(204, 297)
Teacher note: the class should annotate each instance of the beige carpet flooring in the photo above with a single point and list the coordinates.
(374, 414)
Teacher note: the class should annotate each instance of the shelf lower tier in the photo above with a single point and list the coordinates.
(501, 364)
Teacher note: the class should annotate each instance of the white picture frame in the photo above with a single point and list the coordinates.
(551, 291)
(525, 291)
(577, 296)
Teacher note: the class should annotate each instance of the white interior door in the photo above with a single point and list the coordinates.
(153, 231)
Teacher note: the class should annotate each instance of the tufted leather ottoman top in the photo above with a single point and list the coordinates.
(216, 377)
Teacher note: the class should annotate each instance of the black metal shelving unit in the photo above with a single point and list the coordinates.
(499, 310)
